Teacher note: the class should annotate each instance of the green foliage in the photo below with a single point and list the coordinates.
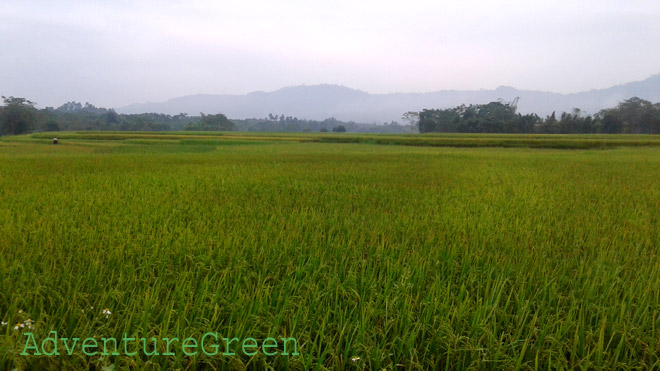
(18, 116)
(51, 125)
(494, 117)
(633, 116)
(217, 122)
(77, 116)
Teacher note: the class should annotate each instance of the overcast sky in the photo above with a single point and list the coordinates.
(113, 53)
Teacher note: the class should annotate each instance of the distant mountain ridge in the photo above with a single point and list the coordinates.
(318, 102)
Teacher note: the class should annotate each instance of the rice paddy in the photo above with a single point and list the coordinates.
(430, 252)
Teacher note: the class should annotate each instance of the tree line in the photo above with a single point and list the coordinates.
(632, 116)
(20, 116)
(281, 123)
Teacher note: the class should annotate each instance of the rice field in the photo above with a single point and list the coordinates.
(444, 252)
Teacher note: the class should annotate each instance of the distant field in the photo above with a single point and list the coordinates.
(423, 256)
(585, 141)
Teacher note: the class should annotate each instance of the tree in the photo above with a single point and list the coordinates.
(217, 122)
(52, 125)
(18, 116)
(635, 115)
(527, 123)
(413, 120)
(494, 117)
(111, 117)
(440, 121)
(339, 129)
(550, 125)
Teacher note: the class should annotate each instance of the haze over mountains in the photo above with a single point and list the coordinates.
(319, 102)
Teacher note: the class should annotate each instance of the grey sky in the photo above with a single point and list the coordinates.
(113, 53)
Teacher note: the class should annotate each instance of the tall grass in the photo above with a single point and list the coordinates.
(407, 257)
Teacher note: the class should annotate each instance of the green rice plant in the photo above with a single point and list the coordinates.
(404, 256)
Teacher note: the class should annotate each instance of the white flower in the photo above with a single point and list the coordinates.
(106, 312)
(355, 359)
(20, 311)
(4, 323)
(28, 323)
(18, 326)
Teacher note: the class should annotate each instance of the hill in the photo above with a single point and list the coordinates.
(322, 101)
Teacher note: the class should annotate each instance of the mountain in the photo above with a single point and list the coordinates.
(319, 102)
